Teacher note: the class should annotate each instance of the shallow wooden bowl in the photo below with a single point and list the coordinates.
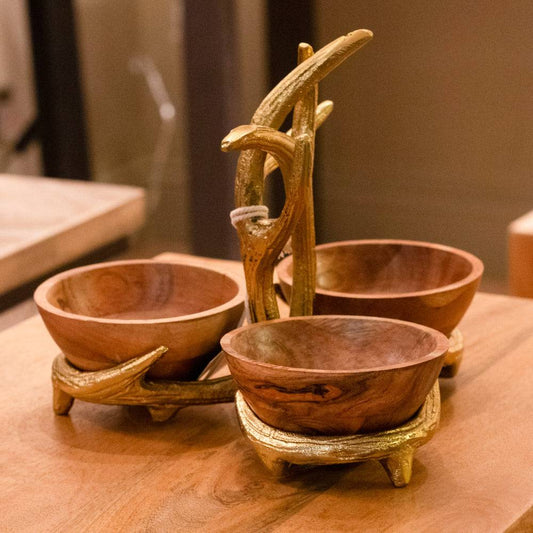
(104, 314)
(420, 282)
(334, 375)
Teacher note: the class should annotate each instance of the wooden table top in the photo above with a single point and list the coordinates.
(46, 223)
(105, 468)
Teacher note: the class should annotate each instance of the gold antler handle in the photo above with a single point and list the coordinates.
(262, 240)
(323, 111)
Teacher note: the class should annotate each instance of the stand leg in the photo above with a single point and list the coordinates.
(399, 466)
(163, 413)
(450, 371)
(62, 401)
(278, 467)
(453, 358)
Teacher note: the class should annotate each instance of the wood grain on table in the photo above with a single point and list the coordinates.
(107, 468)
(46, 223)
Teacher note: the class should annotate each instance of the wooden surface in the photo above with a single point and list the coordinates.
(520, 256)
(46, 223)
(106, 468)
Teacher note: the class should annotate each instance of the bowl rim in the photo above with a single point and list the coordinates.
(475, 274)
(40, 295)
(440, 350)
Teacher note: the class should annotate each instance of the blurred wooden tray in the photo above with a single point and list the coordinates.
(47, 223)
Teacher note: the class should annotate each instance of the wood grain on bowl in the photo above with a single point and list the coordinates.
(334, 374)
(104, 314)
(420, 282)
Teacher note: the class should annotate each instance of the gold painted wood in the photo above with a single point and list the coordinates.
(394, 448)
(323, 111)
(303, 235)
(263, 240)
(126, 384)
(270, 236)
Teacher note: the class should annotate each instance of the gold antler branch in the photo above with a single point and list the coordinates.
(125, 384)
(261, 240)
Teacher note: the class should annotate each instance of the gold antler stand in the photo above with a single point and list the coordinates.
(262, 241)
(393, 448)
(125, 384)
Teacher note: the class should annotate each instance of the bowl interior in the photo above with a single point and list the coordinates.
(335, 343)
(384, 267)
(140, 290)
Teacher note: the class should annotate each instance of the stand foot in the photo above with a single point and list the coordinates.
(393, 448)
(451, 370)
(399, 466)
(62, 401)
(162, 414)
(278, 467)
(453, 358)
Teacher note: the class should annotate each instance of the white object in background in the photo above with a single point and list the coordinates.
(167, 113)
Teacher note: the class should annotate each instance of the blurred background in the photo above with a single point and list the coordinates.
(430, 139)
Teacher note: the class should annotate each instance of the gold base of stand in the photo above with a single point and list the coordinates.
(125, 384)
(393, 448)
(453, 358)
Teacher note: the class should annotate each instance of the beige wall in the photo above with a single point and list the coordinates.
(432, 134)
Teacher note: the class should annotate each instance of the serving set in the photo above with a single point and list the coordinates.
(351, 374)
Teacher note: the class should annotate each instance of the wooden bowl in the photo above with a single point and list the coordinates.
(420, 282)
(334, 375)
(104, 314)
